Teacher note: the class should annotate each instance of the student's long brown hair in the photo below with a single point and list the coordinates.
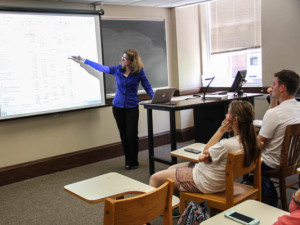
(136, 61)
(244, 112)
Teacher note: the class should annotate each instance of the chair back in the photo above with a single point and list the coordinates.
(235, 169)
(290, 149)
(235, 192)
(290, 152)
(141, 209)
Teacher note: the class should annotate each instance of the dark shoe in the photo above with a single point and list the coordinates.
(176, 212)
(135, 166)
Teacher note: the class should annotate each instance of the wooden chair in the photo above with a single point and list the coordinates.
(141, 209)
(288, 161)
(235, 192)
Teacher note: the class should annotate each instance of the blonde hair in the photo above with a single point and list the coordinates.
(136, 61)
(244, 112)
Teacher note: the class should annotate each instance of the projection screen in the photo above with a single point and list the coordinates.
(36, 76)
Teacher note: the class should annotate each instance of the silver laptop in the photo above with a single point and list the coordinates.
(163, 95)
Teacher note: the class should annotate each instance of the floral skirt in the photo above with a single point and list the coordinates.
(184, 175)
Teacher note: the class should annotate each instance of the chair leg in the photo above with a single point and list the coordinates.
(282, 189)
(182, 205)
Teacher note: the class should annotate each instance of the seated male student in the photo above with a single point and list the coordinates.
(283, 110)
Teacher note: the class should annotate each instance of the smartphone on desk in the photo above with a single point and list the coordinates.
(192, 150)
(241, 218)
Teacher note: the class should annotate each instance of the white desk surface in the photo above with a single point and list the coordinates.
(180, 153)
(257, 123)
(265, 213)
(112, 184)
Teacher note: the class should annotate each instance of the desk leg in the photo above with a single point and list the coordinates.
(173, 135)
(150, 141)
(251, 100)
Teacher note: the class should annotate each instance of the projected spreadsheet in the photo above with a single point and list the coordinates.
(35, 72)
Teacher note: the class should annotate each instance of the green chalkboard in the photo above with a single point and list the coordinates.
(148, 37)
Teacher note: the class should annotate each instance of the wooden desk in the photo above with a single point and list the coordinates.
(180, 153)
(265, 213)
(112, 185)
(208, 115)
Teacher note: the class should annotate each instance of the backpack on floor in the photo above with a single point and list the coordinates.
(194, 214)
(268, 191)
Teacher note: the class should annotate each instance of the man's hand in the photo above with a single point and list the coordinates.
(270, 91)
(273, 99)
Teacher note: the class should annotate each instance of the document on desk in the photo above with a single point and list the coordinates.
(181, 153)
(181, 98)
(216, 97)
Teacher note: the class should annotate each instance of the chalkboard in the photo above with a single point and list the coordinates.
(148, 37)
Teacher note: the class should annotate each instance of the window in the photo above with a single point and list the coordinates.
(233, 41)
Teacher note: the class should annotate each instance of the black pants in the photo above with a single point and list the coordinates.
(264, 168)
(127, 122)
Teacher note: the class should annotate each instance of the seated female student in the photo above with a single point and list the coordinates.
(208, 176)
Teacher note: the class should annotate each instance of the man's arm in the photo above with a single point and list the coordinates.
(263, 139)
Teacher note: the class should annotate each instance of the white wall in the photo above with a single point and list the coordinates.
(188, 56)
(261, 105)
(188, 46)
(280, 37)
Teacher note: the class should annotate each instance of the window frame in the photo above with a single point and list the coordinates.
(206, 49)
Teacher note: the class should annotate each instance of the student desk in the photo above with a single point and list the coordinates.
(265, 213)
(208, 115)
(109, 185)
(181, 153)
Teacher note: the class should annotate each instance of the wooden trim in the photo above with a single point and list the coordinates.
(185, 134)
(54, 164)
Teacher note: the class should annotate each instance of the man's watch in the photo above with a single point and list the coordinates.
(295, 200)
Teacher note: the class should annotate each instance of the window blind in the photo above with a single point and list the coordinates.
(235, 25)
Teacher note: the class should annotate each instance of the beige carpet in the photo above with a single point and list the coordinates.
(43, 201)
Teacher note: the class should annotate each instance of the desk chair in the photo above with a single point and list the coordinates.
(141, 209)
(288, 162)
(234, 192)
